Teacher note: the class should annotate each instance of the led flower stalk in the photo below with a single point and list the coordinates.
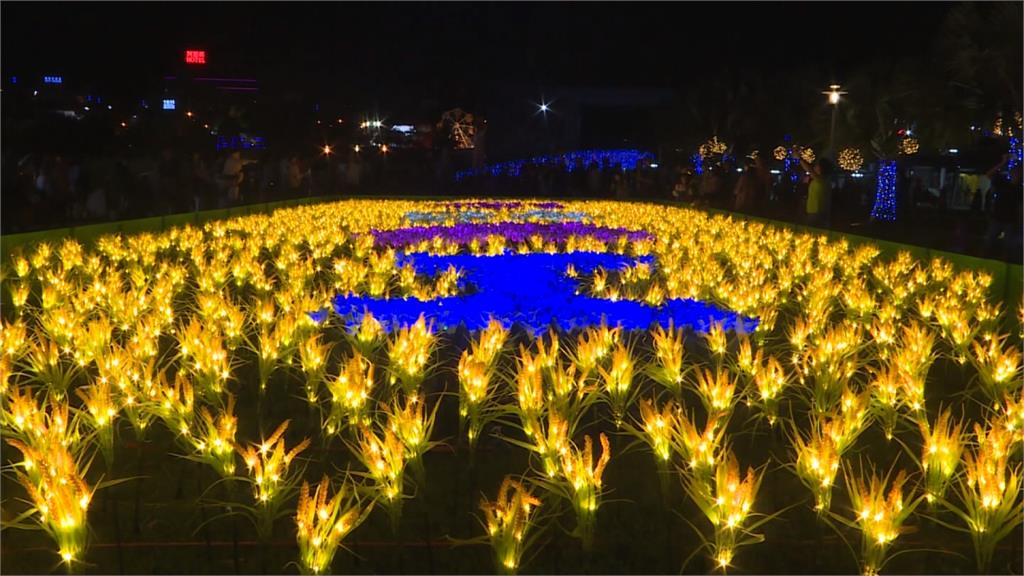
(322, 521)
(879, 515)
(583, 476)
(508, 520)
(727, 503)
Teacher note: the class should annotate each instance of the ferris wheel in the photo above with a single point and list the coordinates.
(461, 128)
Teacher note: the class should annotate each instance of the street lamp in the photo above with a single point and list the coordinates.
(833, 98)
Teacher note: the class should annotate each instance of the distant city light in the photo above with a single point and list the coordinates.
(169, 104)
(327, 149)
(954, 151)
(195, 56)
(857, 175)
(109, 107)
(403, 128)
(35, 92)
(14, 79)
(544, 108)
(86, 108)
(775, 171)
(53, 79)
(384, 149)
(654, 164)
(189, 113)
(356, 147)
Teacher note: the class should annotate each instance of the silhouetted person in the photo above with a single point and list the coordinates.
(1004, 214)
(745, 192)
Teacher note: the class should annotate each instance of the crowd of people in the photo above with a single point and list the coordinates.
(597, 179)
(749, 187)
(52, 191)
(814, 193)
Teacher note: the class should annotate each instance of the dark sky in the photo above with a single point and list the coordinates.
(449, 50)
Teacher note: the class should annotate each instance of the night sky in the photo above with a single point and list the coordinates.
(388, 53)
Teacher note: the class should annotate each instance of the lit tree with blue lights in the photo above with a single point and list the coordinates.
(884, 209)
(1016, 153)
(886, 147)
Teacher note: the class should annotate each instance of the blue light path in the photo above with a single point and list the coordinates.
(531, 289)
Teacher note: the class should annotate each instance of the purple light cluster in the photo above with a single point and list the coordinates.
(464, 233)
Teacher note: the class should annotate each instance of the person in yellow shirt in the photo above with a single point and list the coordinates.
(819, 193)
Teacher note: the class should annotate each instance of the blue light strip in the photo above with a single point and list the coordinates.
(1016, 153)
(571, 161)
(885, 193)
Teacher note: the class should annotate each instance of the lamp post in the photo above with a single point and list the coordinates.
(833, 99)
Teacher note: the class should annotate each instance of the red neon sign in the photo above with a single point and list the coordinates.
(195, 56)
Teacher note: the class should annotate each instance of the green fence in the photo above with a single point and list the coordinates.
(1007, 279)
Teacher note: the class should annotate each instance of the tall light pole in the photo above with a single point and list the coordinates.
(833, 99)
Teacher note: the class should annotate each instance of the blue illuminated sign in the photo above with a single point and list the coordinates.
(169, 104)
(53, 80)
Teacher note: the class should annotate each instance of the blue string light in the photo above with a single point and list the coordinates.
(571, 161)
(1016, 153)
(885, 193)
(698, 164)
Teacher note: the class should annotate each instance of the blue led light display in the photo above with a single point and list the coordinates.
(53, 79)
(169, 104)
(885, 193)
(1016, 153)
(571, 161)
(531, 289)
